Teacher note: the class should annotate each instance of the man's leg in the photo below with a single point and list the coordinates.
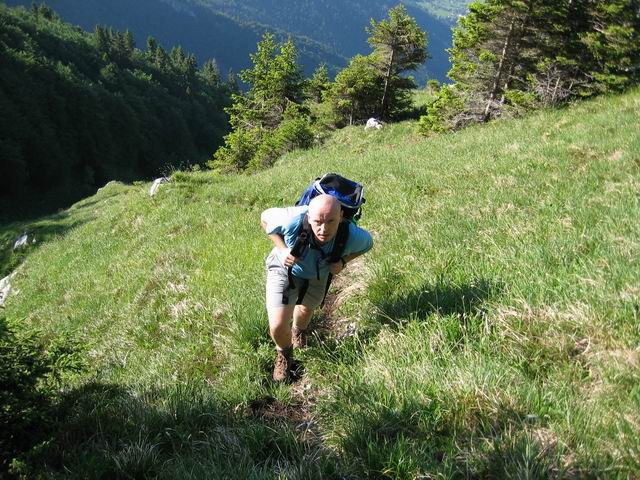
(280, 330)
(279, 325)
(301, 318)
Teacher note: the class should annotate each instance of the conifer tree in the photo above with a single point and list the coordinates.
(515, 55)
(399, 46)
(489, 49)
(613, 41)
(268, 119)
(232, 81)
(357, 91)
(102, 39)
(210, 72)
(318, 83)
(129, 42)
(152, 46)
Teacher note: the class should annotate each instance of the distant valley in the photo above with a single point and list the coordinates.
(324, 31)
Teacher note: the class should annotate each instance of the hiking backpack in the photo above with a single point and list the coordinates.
(350, 194)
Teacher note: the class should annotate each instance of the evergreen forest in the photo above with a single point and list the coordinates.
(80, 109)
(324, 31)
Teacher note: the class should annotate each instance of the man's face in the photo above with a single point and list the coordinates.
(324, 222)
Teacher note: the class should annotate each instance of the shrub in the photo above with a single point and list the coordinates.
(27, 396)
(441, 111)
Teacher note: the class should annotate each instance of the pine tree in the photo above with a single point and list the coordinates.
(357, 91)
(613, 41)
(318, 83)
(232, 82)
(152, 47)
(510, 56)
(211, 73)
(129, 42)
(102, 39)
(399, 46)
(488, 51)
(267, 120)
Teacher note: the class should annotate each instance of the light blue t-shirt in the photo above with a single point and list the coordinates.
(288, 223)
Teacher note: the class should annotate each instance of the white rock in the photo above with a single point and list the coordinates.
(373, 123)
(5, 289)
(22, 240)
(156, 185)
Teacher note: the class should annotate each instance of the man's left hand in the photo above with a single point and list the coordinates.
(336, 268)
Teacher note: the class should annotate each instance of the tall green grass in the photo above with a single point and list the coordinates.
(493, 331)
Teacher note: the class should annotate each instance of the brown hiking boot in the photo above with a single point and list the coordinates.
(282, 365)
(298, 337)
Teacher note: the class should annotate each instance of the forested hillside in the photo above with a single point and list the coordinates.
(341, 25)
(324, 32)
(81, 109)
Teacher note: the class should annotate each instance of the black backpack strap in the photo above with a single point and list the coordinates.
(341, 241)
(299, 246)
(303, 291)
(336, 254)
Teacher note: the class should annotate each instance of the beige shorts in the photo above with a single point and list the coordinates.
(278, 283)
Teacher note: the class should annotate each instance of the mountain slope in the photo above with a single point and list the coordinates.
(228, 31)
(78, 111)
(198, 29)
(491, 332)
(342, 26)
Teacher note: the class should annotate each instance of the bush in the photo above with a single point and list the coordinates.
(441, 111)
(433, 85)
(239, 150)
(294, 132)
(27, 396)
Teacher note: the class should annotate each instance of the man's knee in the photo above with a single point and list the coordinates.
(279, 316)
(302, 311)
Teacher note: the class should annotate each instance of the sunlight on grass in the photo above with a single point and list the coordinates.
(493, 331)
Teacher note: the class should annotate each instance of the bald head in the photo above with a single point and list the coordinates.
(325, 214)
(324, 203)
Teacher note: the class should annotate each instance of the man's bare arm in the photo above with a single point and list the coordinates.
(278, 242)
(337, 267)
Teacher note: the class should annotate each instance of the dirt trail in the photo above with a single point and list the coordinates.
(326, 324)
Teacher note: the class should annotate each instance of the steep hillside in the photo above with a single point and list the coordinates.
(342, 26)
(492, 331)
(197, 28)
(78, 110)
(228, 31)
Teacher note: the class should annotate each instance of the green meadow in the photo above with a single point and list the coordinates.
(492, 332)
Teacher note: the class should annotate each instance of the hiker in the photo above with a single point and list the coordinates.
(296, 286)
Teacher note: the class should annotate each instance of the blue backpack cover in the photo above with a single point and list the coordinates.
(350, 194)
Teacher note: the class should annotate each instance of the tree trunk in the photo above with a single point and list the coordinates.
(387, 79)
(501, 64)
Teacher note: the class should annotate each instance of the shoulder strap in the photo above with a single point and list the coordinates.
(299, 246)
(338, 247)
(303, 238)
(341, 241)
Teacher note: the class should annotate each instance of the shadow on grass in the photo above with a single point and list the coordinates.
(37, 233)
(102, 430)
(441, 298)
(415, 437)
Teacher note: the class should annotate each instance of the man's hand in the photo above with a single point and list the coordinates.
(337, 267)
(287, 259)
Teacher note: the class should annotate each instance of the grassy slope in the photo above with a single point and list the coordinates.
(494, 330)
